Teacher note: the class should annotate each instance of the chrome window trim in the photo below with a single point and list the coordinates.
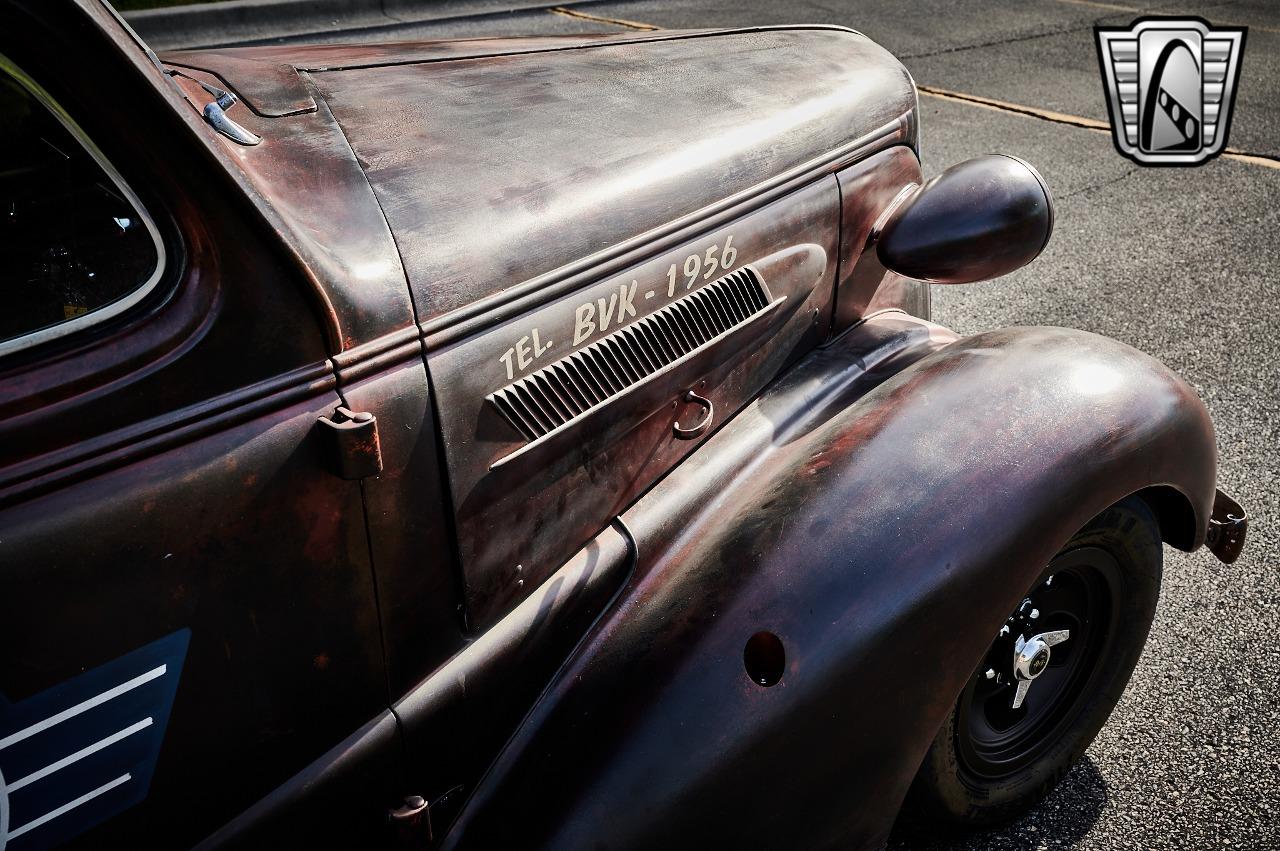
(120, 305)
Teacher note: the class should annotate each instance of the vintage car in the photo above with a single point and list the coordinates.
(543, 443)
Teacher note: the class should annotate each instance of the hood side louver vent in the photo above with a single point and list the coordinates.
(546, 399)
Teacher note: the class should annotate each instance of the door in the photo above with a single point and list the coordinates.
(187, 613)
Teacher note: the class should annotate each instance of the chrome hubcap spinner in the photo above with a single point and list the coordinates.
(1031, 657)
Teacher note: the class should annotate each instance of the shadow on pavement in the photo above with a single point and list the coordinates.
(1060, 821)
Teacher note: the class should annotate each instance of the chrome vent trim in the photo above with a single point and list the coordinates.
(544, 400)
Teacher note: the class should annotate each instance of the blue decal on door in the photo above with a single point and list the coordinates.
(83, 751)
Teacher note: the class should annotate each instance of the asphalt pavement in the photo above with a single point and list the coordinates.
(1183, 263)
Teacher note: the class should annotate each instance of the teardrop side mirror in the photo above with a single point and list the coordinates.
(979, 219)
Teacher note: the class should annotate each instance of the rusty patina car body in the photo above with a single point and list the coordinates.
(496, 394)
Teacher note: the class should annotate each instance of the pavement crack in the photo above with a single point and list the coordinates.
(1101, 184)
(1013, 39)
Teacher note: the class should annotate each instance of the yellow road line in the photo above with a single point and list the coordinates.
(1252, 159)
(1100, 5)
(1162, 11)
(621, 22)
(1004, 106)
(1070, 120)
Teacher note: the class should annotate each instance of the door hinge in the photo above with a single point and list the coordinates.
(354, 442)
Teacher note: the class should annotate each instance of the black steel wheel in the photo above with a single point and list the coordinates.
(1050, 679)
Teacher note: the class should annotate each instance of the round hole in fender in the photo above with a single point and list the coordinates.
(765, 658)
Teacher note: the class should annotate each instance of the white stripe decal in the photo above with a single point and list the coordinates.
(79, 755)
(68, 807)
(4, 813)
(40, 726)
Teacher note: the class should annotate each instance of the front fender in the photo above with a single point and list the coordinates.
(883, 535)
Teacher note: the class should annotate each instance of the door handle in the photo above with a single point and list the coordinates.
(696, 431)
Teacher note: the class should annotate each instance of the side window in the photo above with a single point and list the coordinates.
(76, 246)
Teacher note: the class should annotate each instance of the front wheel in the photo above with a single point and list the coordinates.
(1050, 679)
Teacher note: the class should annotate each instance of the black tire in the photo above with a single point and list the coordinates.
(979, 772)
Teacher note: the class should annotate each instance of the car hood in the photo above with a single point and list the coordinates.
(498, 164)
